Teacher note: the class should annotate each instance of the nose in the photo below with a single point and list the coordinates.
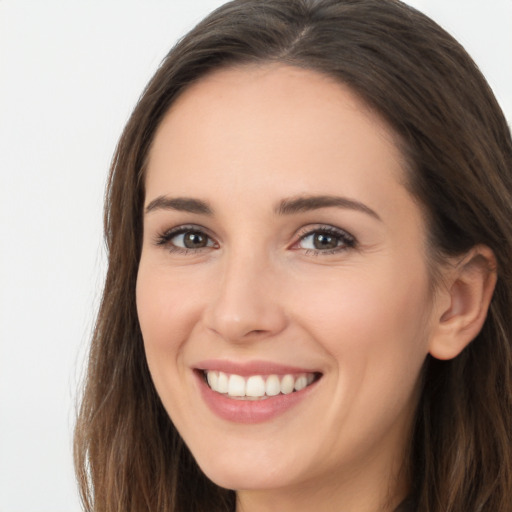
(245, 303)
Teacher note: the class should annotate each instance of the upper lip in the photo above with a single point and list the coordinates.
(247, 368)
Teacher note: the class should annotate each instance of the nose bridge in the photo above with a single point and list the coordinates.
(245, 304)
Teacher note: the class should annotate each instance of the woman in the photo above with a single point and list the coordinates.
(309, 292)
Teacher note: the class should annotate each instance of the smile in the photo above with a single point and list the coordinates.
(257, 387)
(253, 392)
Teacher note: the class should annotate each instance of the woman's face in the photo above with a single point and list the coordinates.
(281, 250)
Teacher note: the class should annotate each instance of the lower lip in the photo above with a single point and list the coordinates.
(250, 411)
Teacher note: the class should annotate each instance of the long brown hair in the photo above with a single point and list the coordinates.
(129, 457)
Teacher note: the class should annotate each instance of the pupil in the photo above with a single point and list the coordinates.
(194, 240)
(323, 241)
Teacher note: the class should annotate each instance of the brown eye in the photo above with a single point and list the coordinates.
(322, 241)
(326, 240)
(194, 240)
(185, 239)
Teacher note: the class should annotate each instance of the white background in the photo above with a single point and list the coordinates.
(70, 73)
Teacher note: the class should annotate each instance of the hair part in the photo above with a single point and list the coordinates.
(458, 150)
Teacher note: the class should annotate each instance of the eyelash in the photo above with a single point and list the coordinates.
(344, 240)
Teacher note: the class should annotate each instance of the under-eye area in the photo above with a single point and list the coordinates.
(257, 387)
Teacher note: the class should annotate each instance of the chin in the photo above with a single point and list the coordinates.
(246, 474)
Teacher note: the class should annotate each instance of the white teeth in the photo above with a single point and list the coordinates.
(287, 384)
(213, 379)
(236, 386)
(222, 383)
(272, 386)
(257, 386)
(301, 383)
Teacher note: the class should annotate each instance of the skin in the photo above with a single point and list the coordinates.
(243, 140)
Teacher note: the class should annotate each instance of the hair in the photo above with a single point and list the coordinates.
(457, 145)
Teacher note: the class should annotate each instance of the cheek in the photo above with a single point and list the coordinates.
(167, 312)
(373, 328)
(378, 315)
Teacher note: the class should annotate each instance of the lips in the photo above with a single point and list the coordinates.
(253, 392)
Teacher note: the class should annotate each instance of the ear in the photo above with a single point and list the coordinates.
(462, 303)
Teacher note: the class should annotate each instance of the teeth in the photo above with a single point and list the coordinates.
(236, 386)
(257, 386)
(287, 384)
(213, 379)
(272, 386)
(301, 383)
(222, 383)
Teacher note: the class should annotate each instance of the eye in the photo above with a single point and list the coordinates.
(185, 239)
(325, 240)
(191, 240)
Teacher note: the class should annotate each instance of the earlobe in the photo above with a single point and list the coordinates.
(469, 285)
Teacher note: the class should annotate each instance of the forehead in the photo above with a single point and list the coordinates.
(287, 129)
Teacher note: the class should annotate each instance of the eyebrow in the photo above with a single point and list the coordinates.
(308, 203)
(285, 207)
(181, 204)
